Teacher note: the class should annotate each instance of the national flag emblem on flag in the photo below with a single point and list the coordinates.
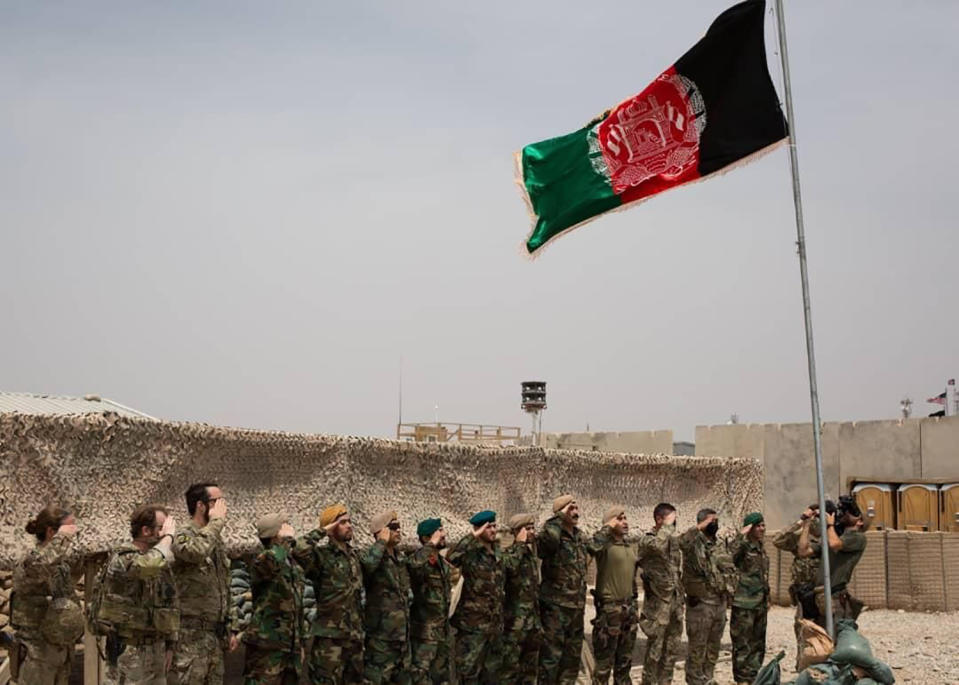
(714, 107)
(938, 399)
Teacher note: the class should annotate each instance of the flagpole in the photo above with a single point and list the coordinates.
(807, 314)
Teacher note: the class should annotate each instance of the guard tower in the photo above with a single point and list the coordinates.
(534, 402)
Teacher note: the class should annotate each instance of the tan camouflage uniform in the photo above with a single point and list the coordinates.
(202, 572)
(139, 603)
(44, 573)
(709, 579)
(661, 621)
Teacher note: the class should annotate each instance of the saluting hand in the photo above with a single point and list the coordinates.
(168, 527)
(218, 510)
(477, 532)
(383, 535)
(702, 525)
(746, 529)
(68, 530)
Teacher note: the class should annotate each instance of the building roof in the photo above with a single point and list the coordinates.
(28, 403)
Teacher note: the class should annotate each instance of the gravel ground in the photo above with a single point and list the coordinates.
(921, 648)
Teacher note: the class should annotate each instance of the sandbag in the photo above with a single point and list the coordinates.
(853, 649)
(815, 645)
(770, 674)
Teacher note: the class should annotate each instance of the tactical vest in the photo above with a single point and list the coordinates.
(130, 607)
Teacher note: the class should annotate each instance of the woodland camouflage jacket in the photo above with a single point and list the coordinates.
(277, 584)
(387, 581)
(337, 578)
(430, 580)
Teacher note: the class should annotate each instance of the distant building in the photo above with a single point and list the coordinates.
(46, 405)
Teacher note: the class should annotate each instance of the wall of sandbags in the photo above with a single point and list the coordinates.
(899, 570)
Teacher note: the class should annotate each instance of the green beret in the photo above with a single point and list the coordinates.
(752, 519)
(428, 527)
(483, 517)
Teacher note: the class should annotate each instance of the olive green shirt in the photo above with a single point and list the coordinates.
(842, 562)
(616, 571)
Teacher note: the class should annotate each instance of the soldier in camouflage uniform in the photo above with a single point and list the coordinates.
(709, 579)
(661, 557)
(202, 572)
(274, 636)
(429, 615)
(564, 551)
(43, 574)
(337, 577)
(387, 613)
(747, 624)
(522, 631)
(617, 612)
(804, 572)
(138, 609)
(478, 618)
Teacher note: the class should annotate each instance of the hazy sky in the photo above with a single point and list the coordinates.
(246, 213)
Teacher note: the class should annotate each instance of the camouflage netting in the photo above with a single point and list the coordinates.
(104, 465)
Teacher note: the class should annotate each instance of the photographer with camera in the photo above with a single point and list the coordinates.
(847, 542)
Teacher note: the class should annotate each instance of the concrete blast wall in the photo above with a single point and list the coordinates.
(629, 442)
(879, 451)
(102, 466)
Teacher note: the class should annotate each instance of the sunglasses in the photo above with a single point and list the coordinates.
(394, 525)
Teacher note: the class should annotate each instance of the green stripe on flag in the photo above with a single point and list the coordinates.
(567, 183)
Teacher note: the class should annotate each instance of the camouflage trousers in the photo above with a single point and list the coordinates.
(143, 664)
(43, 663)
(263, 666)
(386, 661)
(705, 622)
(747, 628)
(562, 650)
(336, 661)
(662, 623)
(614, 638)
(430, 662)
(198, 658)
(521, 656)
(479, 656)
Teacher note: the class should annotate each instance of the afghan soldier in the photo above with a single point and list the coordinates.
(522, 632)
(563, 548)
(43, 650)
(617, 613)
(335, 572)
(138, 608)
(429, 615)
(847, 542)
(387, 617)
(478, 618)
(661, 557)
(804, 572)
(747, 624)
(709, 579)
(274, 638)
(202, 572)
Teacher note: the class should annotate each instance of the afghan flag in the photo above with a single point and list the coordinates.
(715, 107)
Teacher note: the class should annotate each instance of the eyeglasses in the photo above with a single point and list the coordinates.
(393, 525)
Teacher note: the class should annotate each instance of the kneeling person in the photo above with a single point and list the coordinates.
(275, 635)
(137, 601)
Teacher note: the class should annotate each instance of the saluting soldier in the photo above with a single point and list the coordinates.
(747, 623)
(563, 548)
(202, 572)
(661, 621)
(478, 618)
(333, 567)
(274, 637)
(429, 615)
(138, 607)
(387, 614)
(522, 633)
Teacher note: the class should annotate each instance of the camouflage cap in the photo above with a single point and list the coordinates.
(268, 526)
(561, 502)
(519, 520)
(613, 512)
(380, 521)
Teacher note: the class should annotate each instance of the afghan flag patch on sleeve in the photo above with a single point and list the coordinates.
(715, 107)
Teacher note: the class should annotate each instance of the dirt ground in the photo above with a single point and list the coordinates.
(922, 649)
